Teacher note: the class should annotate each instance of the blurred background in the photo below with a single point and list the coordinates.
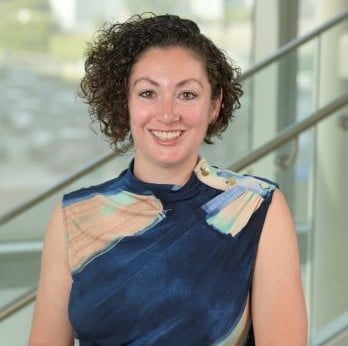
(292, 128)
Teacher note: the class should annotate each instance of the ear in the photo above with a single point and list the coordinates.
(215, 107)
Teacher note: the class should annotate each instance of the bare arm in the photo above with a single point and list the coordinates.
(50, 324)
(278, 305)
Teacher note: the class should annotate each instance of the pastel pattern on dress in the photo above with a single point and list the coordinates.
(96, 224)
(230, 211)
(233, 217)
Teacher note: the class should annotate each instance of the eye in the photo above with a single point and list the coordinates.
(187, 95)
(147, 94)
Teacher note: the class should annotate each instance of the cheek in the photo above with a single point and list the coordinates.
(138, 116)
(198, 117)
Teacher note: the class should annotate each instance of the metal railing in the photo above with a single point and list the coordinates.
(289, 133)
(21, 208)
(17, 304)
(331, 332)
(295, 43)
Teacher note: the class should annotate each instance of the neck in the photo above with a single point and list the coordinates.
(164, 174)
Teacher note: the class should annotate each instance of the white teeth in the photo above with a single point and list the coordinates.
(167, 135)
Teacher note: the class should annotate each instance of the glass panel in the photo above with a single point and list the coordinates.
(328, 298)
(333, 71)
(330, 238)
(15, 330)
(235, 141)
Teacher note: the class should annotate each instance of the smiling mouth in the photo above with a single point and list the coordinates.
(167, 135)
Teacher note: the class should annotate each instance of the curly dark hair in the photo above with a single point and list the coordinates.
(117, 47)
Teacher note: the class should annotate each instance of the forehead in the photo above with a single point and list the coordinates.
(171, 49)
(173, 59)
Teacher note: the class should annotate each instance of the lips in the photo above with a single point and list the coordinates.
(167, 135)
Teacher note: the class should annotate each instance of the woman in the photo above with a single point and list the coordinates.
(173, 251)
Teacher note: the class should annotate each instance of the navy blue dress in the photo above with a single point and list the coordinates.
(156, 264)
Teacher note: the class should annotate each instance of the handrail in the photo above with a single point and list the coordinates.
(17, 304)
(293, 44)
(331, 331)
(289, 133)
(288, 47)
(11, 214)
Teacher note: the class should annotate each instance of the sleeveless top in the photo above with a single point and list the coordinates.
(157, 264)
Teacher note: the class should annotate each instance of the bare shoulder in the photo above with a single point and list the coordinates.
(278, 305)
(279, 225)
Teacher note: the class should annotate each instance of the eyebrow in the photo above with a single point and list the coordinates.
(179, 84)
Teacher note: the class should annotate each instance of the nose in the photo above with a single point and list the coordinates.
(167, 112)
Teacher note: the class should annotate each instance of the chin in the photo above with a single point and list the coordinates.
(174, 159)
(167, 161)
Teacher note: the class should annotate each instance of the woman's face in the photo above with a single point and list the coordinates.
(170, 107)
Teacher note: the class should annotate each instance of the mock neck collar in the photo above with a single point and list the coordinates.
(164, 191)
